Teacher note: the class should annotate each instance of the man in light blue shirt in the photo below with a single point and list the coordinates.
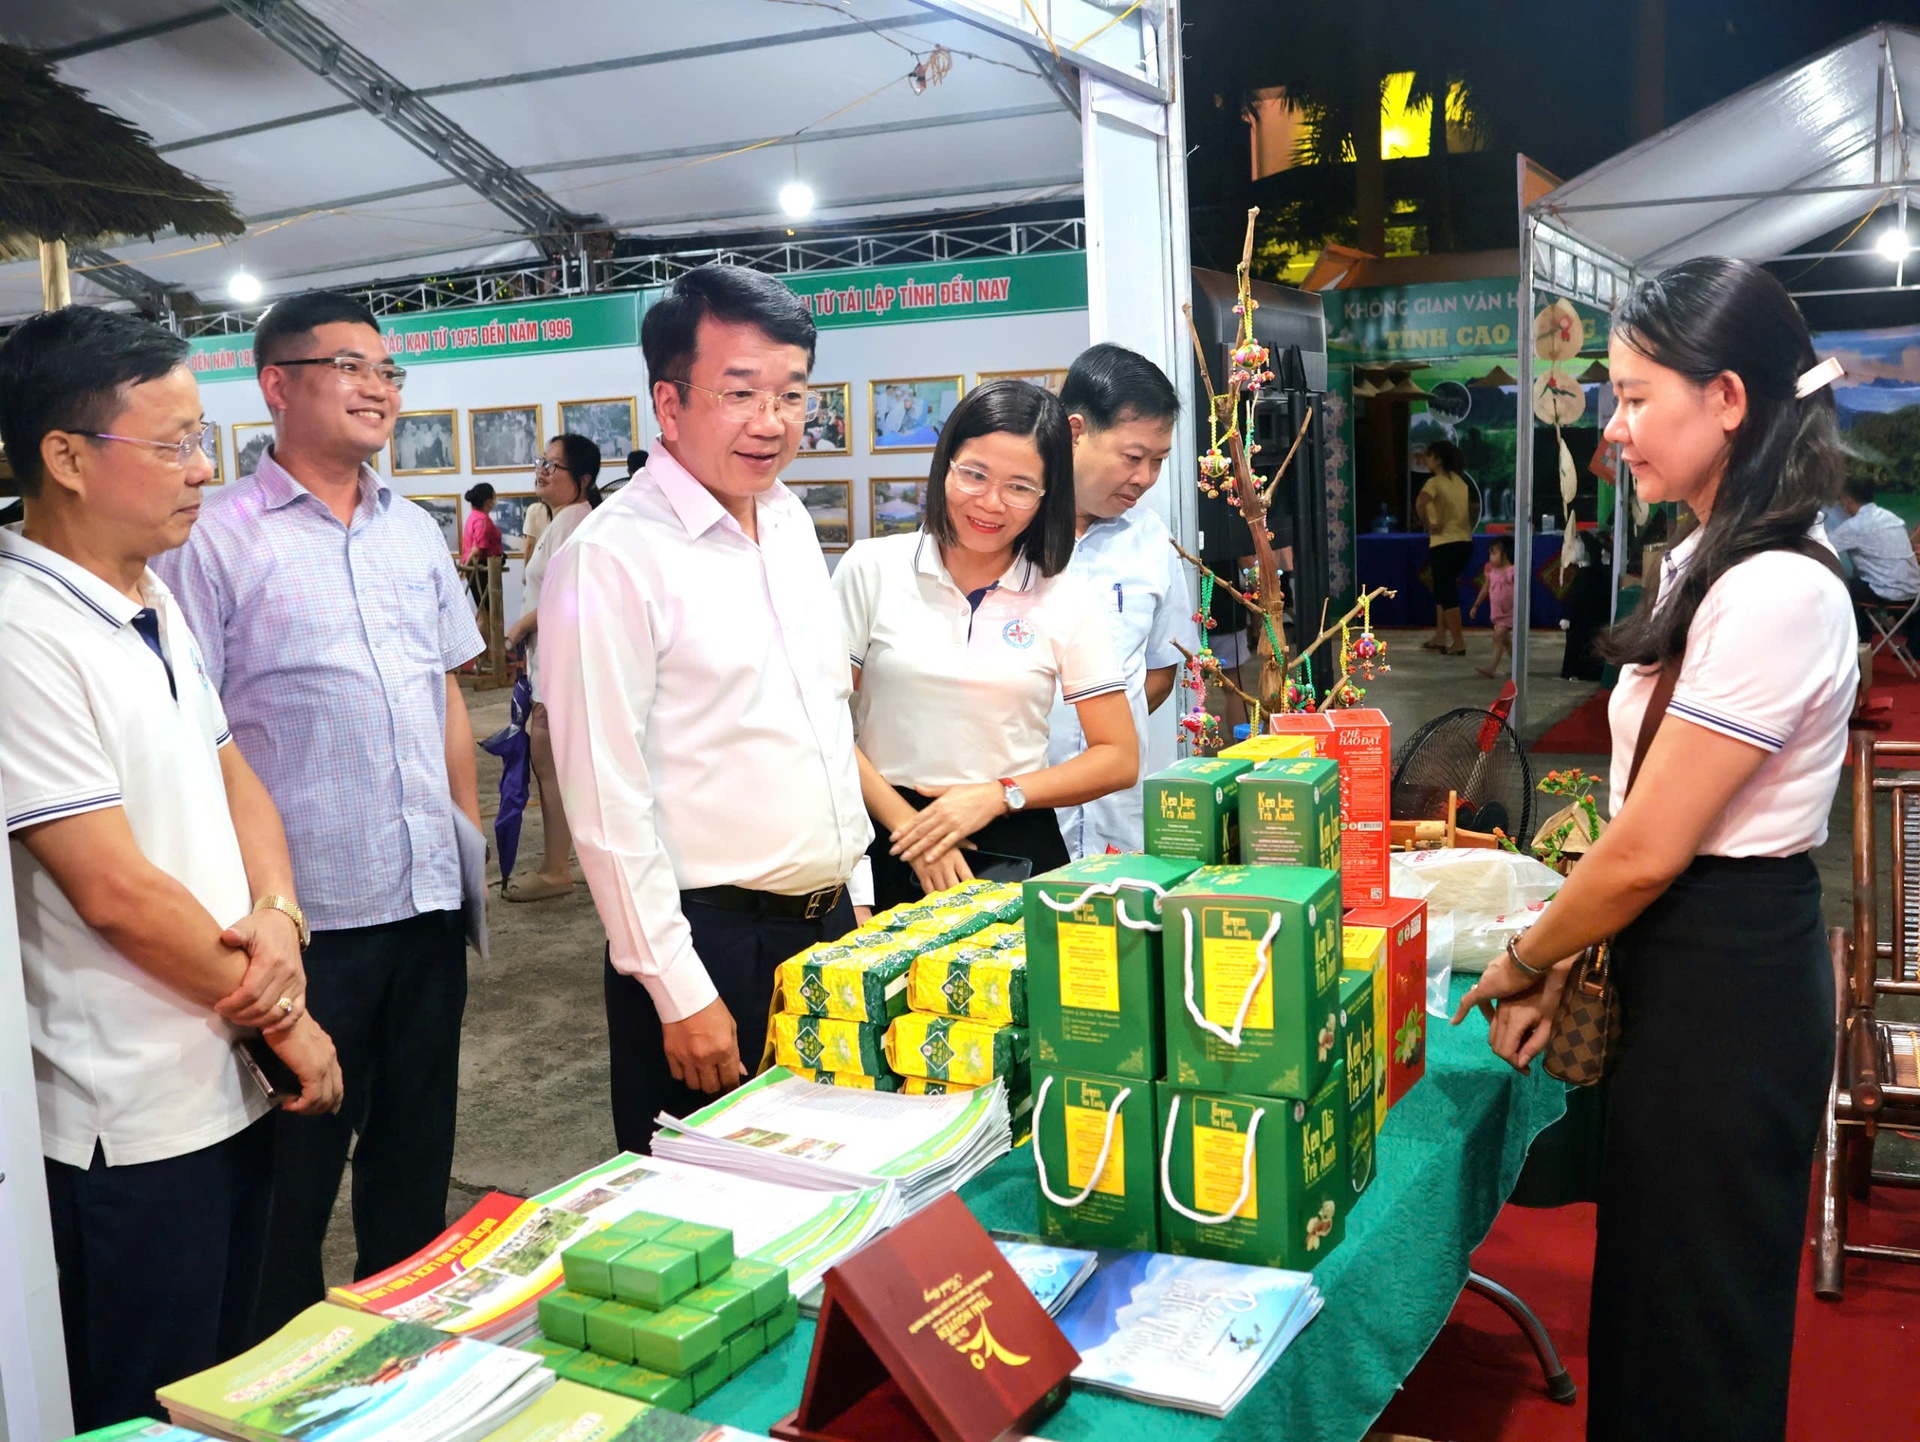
(1122, 408)
(1885, 571)
(331, 620)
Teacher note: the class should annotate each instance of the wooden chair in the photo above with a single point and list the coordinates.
(1876, 1067)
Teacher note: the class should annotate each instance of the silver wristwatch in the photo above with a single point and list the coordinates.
(1016, 798)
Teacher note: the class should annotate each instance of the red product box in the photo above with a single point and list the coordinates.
(1405, 923)
(1305, 723)
(1362, 745)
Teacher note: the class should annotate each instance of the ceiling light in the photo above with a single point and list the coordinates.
(1893, 243)
(244, 288)
(796, 199)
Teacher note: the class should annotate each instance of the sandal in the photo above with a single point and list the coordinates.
(1461, 652)
(1431, 646)
(514, 889)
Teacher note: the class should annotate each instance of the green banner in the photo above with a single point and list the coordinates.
(946, 290)
(1386, 323)
(478, 332)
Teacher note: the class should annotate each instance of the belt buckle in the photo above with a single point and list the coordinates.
(821, 902)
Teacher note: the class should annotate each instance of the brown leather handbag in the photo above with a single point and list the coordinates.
(1586, 1028)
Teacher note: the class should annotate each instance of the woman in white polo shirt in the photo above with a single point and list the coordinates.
(961, 634)
(1721, 969)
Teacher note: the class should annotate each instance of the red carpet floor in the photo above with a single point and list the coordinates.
(1856, 1363)
(1893, 711)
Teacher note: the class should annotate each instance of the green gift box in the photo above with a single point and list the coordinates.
(1251, 1179)
(945, 1048)
(726, 1298)
(745, 1345)
(653, 1274)
(673, 1393)
(1193, 809)
(781, 1324)
(610, 1329)
(563, 1316)
(1357, 1057)
(1095, 1149)
(676, 1339)
(640, 1227)
(1290, 813)
(766, 1280)
(1252, 979)
(821, 1043)
(1093, 964)
(550, 1353)
(712, 1247)
(587, 1264)
(711, 1375)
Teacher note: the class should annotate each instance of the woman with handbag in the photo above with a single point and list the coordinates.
(1729, 731)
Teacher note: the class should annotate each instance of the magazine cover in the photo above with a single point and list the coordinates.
(1182, 1331)
(1053, 1274)
(348, 1376)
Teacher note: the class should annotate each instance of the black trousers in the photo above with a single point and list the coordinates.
(1033, 833)
(1865, 595)
(741, 952)
(158, 1264)
(391, 997)
(1713, 1110)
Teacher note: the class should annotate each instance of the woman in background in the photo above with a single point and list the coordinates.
(478, 541)
(566, 479)
(961, 634)
(1442, 504)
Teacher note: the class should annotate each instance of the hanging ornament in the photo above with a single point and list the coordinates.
(1558, 332)
(1558, 399)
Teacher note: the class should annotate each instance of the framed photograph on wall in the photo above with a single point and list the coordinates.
(907, 414)
(250, 442)
(510, 515)
(445, 511)
(609, 424)
(425, 443)
(504, 438)
(1046, 380)
(830, 504)
(896, 505)
(219, 459)
(829, 429)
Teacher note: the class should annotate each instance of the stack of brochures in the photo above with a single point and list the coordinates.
(333, 1372)
(1182, 1332)
(781, 1128)
(1053, 1274)
(485, 1275)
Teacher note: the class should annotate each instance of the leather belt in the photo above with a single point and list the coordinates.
(814, 906)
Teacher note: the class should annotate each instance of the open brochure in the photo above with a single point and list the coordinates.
(571, 1412)
(354, 1377)
(781, 1127)
(1182, 1332)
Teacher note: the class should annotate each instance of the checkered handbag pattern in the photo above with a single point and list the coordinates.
(1586, 1029)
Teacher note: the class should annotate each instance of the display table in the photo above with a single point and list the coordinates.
(1398, 561)
(1447, 1158)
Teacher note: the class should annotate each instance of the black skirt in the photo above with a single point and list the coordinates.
(1713, 1110)
(1033, 834)
(1447, 563)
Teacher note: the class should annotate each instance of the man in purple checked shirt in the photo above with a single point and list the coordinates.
(332, 619)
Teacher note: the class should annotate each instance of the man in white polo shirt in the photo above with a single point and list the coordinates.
(157, 921)
(1122, 408)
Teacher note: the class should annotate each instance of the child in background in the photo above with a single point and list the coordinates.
(1496, 589)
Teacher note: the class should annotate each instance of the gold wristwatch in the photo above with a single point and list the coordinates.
(290, 909)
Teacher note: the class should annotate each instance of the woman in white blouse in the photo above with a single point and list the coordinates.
(961, 634)
(566, 480)
(1716, 1098)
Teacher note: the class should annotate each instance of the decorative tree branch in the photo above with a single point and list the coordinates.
(1221, 581)
(1220, 675)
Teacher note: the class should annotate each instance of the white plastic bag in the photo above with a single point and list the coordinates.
(1476, 898)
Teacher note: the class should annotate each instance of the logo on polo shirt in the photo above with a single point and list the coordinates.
(1017, 633)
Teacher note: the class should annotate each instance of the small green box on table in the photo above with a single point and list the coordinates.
(1193, 809)
(1357, 1055)
(1290, 813)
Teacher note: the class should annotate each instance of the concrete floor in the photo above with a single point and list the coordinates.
(533, 1070)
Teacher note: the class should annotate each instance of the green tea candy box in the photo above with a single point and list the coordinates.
(1290, 813)
(1193, 809)
(1096, 1155)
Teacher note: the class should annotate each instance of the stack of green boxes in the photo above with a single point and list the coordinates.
(837, 998)
(661, 1311)
(1187, 1023)
(966, 1019)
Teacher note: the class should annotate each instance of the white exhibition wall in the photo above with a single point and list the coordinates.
(853, 355)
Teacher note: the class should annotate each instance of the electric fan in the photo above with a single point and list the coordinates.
(1473, 756)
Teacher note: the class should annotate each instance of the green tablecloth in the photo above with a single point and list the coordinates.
(1448, 1157)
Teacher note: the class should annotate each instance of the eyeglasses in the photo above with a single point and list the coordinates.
(205, 441)
(746, 404)
(1016, 495)
(545, 467)
(353, 370)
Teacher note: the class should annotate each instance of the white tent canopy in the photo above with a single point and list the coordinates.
(1756, 176)
(371, 139)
